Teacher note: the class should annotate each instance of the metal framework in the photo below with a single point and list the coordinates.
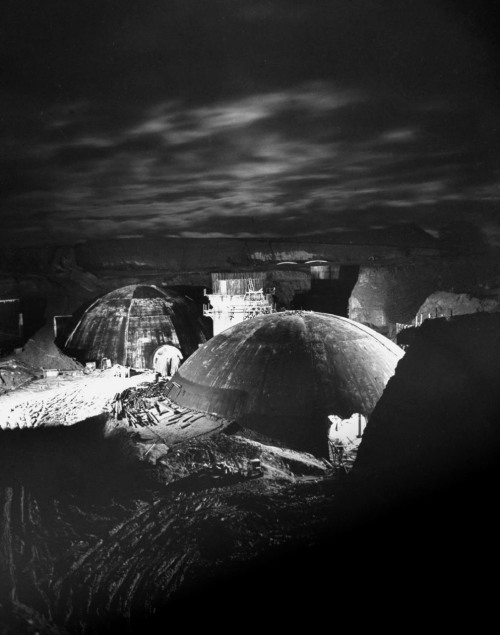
(253, 303)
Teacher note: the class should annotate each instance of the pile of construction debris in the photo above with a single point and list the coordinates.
(39, 357)
(146, 406)
(14, 374)
(40, 352)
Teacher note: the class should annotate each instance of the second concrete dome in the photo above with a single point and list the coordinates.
(283, 374)
(128, 324)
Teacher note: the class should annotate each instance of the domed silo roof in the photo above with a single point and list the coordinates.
(127, 326)
(283, 374)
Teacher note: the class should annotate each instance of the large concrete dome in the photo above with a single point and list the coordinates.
(127, 326)
(283, 374)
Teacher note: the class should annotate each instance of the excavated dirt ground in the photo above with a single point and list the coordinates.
(63, 400)
(108, 526)
(94, 540)
(112, 527)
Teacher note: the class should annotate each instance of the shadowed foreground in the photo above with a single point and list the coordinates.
(95, 541)
(92, 539)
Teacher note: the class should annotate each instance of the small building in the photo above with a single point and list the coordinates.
(238, 297)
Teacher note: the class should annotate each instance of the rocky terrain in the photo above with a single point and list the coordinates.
(446, 304)
(194, 255)
(438, 417)
(386, 295)
(93, 538)
(101, 532)
(112, 527)
(383, 277)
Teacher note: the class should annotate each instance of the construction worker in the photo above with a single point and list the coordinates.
(336, 441)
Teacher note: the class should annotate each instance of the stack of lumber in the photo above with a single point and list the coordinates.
(141, 411)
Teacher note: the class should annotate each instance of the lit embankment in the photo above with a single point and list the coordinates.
(64, 401)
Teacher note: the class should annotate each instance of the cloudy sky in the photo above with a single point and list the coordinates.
(266, 118)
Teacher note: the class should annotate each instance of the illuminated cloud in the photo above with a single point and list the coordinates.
(245, 119)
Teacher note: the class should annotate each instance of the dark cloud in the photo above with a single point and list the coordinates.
(260, 118)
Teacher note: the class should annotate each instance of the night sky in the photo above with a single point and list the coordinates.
(246, 118)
